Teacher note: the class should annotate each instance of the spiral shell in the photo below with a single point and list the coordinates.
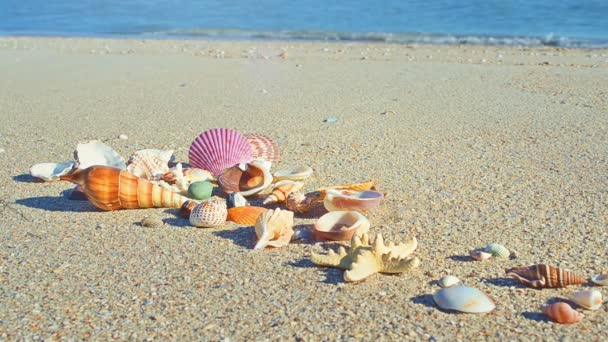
(219, 148)
(264, 148)
(209, 213)
(588, 299)
(497, 250)
(600, 279)
(562, 313)
(542, 276)
(281, 190)
(274, 228)
(109, 188)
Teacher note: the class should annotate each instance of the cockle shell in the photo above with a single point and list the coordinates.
(109, 188)
(219, 148)
(150, 164)
(209, 213)
(300, 203)
(587, 299)
(97, 153)
(497, 250)
(248, 179)
(274, 228)
(601, 280)
(352, 200)
(152, 222)
(264, 148)
(340, 226)
(281, 190)
(562, 313)
(463, 299)
(368, 185)
(479, 255)
(448, 280)
(245, 215)
(542, 275)
(297, 173)
(51, 171)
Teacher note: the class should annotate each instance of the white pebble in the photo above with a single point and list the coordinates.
(331, 120)
(123, 137)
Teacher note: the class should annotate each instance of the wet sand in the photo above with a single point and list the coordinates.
(473, 145)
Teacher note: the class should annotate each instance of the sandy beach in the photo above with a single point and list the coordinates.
(472, 144)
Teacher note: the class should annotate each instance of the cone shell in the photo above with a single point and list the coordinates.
(264, 148)
(96, 153)
(562, 313)
(545, 276)
(219, 148)
(150, 164)
(601, 279)
(360, 201)
(109, 188)
(340, 226)
(368, 185)
(246, 215)
(464, 299)
(274, 228)
(297, 173)
(497, 250)
(209, 213)
(248, 179)
(587, 299)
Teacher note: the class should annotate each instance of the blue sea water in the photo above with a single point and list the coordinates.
(512, 22)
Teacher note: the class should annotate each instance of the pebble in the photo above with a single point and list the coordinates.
(123, 137)
(331, 120)
(152, 222)
(2, 150)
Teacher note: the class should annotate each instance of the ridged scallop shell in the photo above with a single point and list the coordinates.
(150, 164)
(497, 250)
(601, 279)
(368, 185)
(448, 280)
(541, 276)
(588, 299)
(218, 149)
(360, 201)
(246, 215)
(296, 173)
(51, 171)
(463, 299)
(264, 148)
(209, 213)
(248, 179)
(281, 190)
(479, 255)
(340, 226)
(274, 228)
(562, 313)
(97, 153)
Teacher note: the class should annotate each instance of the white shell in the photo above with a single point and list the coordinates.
(209, 213)
(150, 164)
(51, 171)
(497, 250)
(463, 299)
(601, 279)
(479, 255)
(297, 173)
(588, 299)
(97, 153)
(448, 280)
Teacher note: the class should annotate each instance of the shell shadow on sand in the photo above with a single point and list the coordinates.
(60, 203)
(461, 258)
(241, 236)
(504, 282)
(26, 178)
(425, 299)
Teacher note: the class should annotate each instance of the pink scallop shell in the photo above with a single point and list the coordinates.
(264, 147)
(219, 148)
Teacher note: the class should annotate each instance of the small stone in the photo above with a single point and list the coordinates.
(200, 190)
(331, 120)
(123, 137)
(152, 222)
(2, 150)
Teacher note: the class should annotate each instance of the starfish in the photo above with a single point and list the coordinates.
(364, 259)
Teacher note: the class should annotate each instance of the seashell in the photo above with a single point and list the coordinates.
(463, 299)
(245, 215)
(264, 148)
(497, 250)
(479, 255)
(281, 190)
(448, 280)
(190, 174)
(97, 153)
(587, 299)
(300, 203)
(209, 213)
(51, 171)
(340, 226)
(150, 164)
(235, 199)
(274, 228)
(542, 275)
(186, 209)
(352, 200)
(601, 280)
(369, 185)
(200, 190)
(109, 188)
(152, 222)
(562, 313)
(297, 173)
(219, 148)
(248, 179)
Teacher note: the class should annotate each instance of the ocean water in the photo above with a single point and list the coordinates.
(512, 22)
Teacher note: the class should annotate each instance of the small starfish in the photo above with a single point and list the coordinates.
(362, 260)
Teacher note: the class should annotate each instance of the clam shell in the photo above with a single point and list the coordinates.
(209, 213)
(368, 185)
(352, 200)
(588, 299)
(448, 280)
(479, 255)
(51, 171)
(248, 179)
(296, 173)
(562, 313)
(264, 148)
(497, 250)
(150, 164)
(464, 299)
(97, 153)
(340, 226)
(219, 148)
(601, 279)
(245, 215)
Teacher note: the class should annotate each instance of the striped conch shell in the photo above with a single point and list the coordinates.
(543, 276)
(562, 313)
(209, 213)
(109, 188)
(281, 190)
(274, 228)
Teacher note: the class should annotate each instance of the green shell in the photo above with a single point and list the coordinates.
(497, 250)
(200, 190)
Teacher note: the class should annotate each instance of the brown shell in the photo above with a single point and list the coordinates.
(368, 185)
(109, 188)
(545, 276)
(562, 313)
(234, 179)
(246, 215)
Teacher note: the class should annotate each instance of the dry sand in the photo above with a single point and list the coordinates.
(473, 144)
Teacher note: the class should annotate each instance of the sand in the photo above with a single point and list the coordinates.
(473, 145)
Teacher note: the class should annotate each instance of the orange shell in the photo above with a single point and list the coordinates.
(562, 313)
(368, 185)
(246, 215)
(545, 276)
(248, 182)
